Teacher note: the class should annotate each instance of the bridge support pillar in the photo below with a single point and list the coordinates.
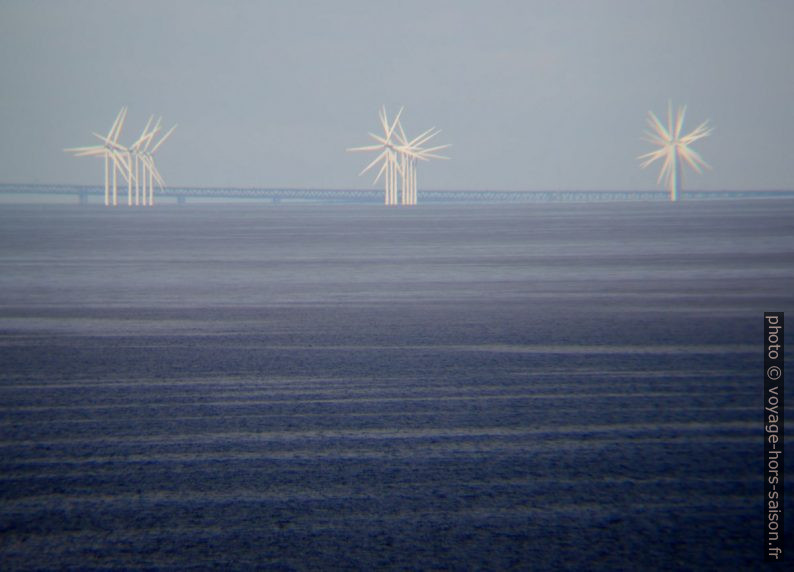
(181, 200)
(82, 199)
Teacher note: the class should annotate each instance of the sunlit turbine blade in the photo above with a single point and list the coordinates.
(384, 120)
(679, 121)
(667, 168)
(670, 118)
(657, 126)
(150, 137)
(81, 149)
(407, 151)
(157, 176)
(437, 148)
(383, 168)
(166, 136)
(394, 124)
(653, 156)
(401, 136)
(149, 162)
(148, 124)
(653, 138)
(424, 137)
(144, 134)
(702, 130)
(108, 143)
(116, 122)
(367, 148)
(379, 139)
(372, 164)
(120, 125)
(97, 153)
(694, 160)
(395, 164)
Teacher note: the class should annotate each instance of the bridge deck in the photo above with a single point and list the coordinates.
(376, 196)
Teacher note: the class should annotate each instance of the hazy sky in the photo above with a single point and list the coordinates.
(532, 95)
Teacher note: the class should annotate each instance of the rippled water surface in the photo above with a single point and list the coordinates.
(533, 386)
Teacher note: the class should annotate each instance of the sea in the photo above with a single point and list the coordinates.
(535, 386)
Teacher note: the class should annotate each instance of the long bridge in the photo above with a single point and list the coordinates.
(373, 196)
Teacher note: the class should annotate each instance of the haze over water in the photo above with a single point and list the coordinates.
(531, 386)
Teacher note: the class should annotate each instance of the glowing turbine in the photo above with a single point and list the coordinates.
(132, 162)
(110, 149)
(388, 154)
(673, 147)
(410, 151)
(145, 161)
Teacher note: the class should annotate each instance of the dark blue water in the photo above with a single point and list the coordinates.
(540, 386)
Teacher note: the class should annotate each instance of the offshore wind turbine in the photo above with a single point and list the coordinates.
(135, 149)
(147, 159)
(388, 155)
(128, 161)
(108, 151)
(410, 151)
(145, 172)
(121, 156)
(673, 147)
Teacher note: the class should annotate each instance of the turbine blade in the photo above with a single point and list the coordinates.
(679, 123)
(702, 130)
(155, 130)
(694, 159)
(425, 137)
(367, 148)
(384, 120)
(394, 124)
(115, 122)
(120, 125)
(438, 148)
(657, 126)
(80, 149)
(395, 163)
(407, 151)
(161, 141)
(667, 168)
(379, 139)
(653, 138)
(374, 161)
(401, 135)
(98, 153)
(651, 157)
(144, 134)
(157, 176)
(383, 168)
(670, 117)
(109, 143)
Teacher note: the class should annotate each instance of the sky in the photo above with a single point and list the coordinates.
(532, 95)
